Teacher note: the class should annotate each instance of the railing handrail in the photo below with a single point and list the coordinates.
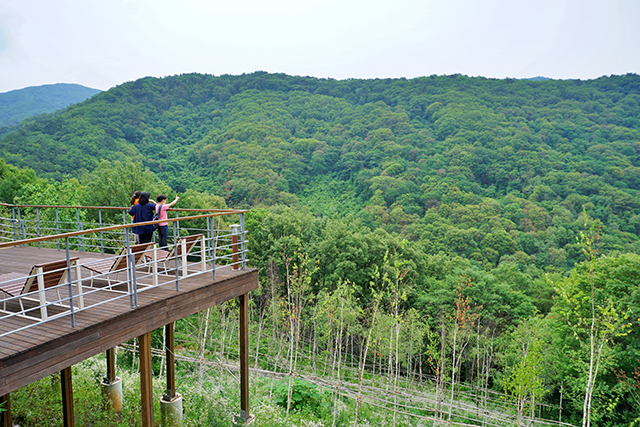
(116, 227)
(219, 248)
(85, 291)
(8, 205)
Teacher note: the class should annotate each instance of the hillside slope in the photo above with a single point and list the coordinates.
(479, 167)
(20, 104)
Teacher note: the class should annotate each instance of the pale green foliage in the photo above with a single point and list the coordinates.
(199, 200)
(67, 192)
(610, 318)
(525, 383)
(12, 181)
(592, 311)
(584, 301)
(113, 183)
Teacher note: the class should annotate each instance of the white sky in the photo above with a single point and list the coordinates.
(103, 43)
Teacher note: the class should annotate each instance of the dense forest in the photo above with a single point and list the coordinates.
(17, 105)
(496, 211)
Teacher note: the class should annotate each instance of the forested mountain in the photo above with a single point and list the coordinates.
(17, 105)
(450, 191)
(471, 166)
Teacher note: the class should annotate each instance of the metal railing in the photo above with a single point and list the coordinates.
(22, 222)
(202, 244)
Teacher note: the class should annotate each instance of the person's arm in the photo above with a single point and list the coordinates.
(132, 210)
(172, 203)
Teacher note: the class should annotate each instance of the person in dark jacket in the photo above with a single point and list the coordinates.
(142, 212)
(134, 201)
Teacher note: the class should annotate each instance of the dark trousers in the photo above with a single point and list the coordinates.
(145, 238)
(162, 233)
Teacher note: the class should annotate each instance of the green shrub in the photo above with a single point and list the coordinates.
(304, 396)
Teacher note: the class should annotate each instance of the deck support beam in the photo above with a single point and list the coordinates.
(146, 385)
(67, 398)
(5, 403)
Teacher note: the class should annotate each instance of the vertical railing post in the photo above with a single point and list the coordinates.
(176, 252)
(212, 248)
(73, 317)
(79, 227)
(13, 221)
(234, 247)
(38, 224)
(81, 239)
(21, 230)
(132, 265)
(124, 217)
(242, 235)
(208, 238)
(19, 227)
(176, 229)
(58, 226)
(100, 224)
(133, 291)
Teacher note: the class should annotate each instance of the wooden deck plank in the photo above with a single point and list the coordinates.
(51, 346)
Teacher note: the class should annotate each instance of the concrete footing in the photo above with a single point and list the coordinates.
(243, 419)
(171, 411)
(112, 392)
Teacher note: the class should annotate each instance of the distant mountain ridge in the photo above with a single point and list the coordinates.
(17, 105)
(537, 79)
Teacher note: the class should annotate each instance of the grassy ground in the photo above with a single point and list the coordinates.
(210, 392)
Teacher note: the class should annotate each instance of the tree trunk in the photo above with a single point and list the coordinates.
(260, 324)
(440, 374)
(204, 331)
(453, 368)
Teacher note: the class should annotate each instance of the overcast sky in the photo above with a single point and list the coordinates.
(103, 43)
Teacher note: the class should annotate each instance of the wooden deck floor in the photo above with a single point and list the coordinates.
(49, 347)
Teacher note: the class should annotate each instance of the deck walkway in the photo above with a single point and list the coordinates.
(51, 346)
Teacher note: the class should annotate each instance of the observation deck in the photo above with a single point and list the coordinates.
(74, 289)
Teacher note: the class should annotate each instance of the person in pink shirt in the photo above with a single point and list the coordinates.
(161, 209)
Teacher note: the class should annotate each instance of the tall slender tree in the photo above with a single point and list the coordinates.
(594, 314)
